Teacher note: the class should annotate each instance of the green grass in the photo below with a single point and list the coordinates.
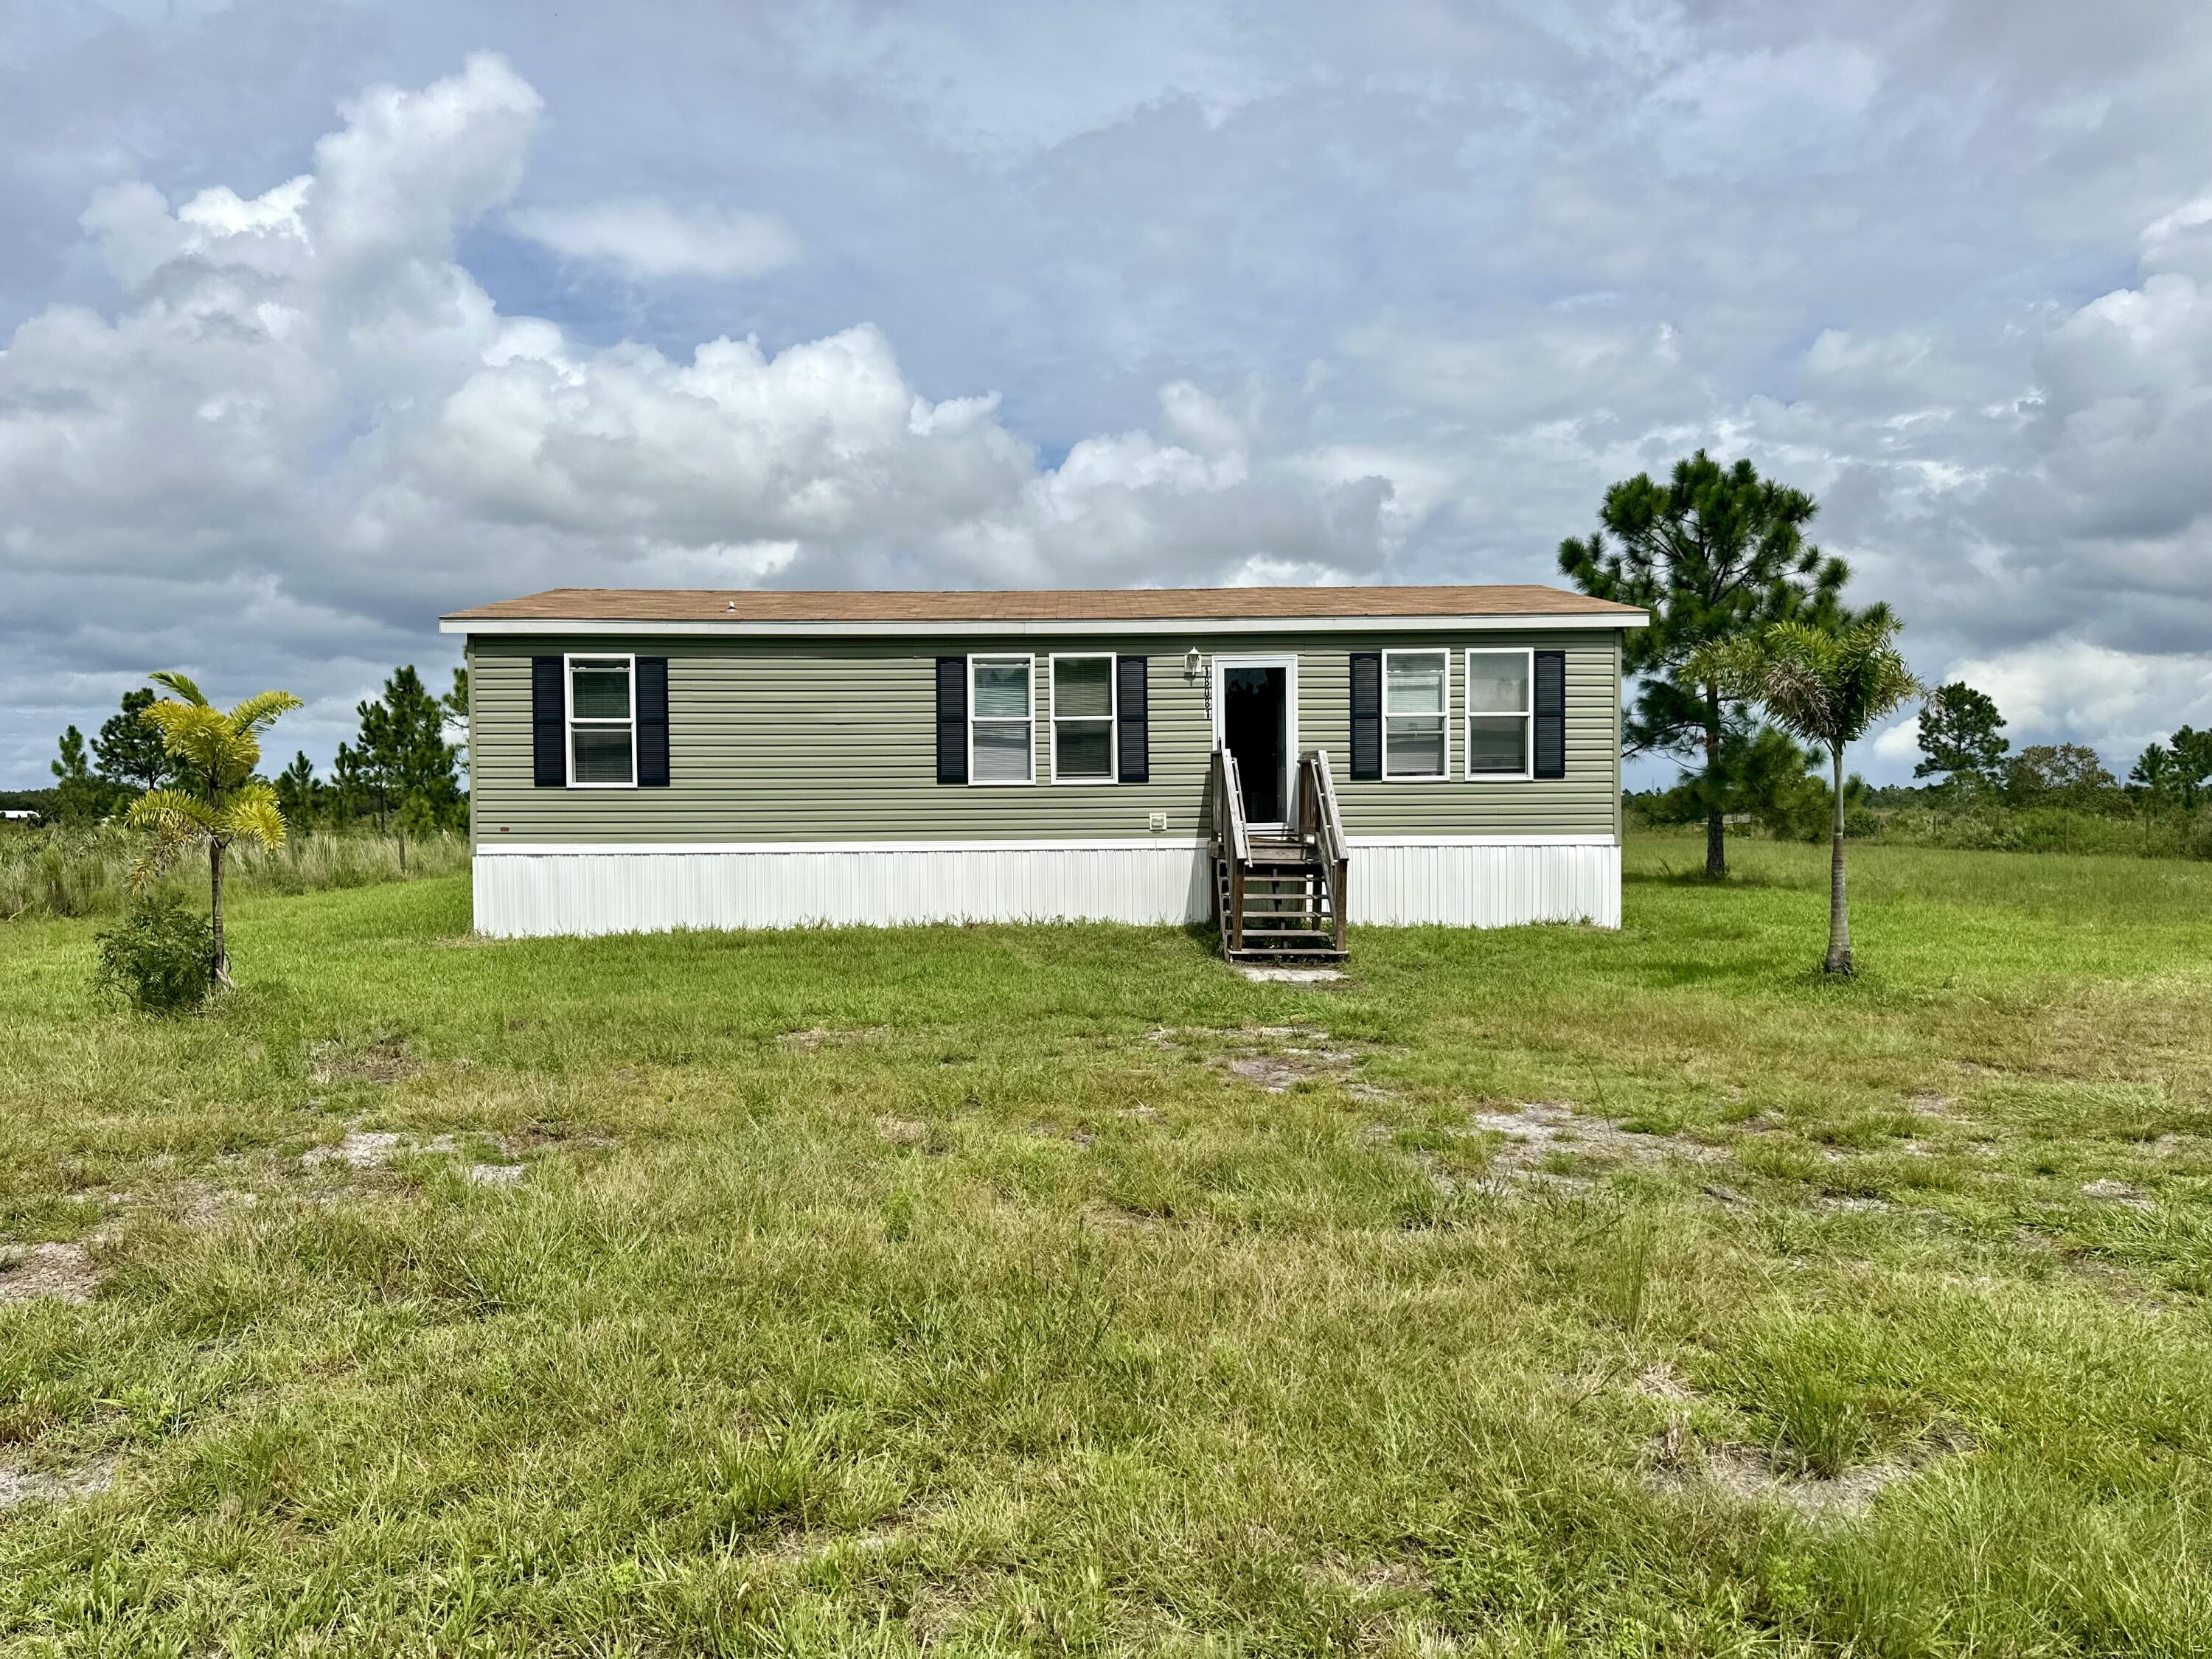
(948, 1290)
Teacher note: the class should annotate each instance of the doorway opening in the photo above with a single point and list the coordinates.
(1254, 717)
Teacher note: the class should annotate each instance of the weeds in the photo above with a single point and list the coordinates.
(59, 873)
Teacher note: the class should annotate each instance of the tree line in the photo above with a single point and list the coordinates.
(402, 772)
(1720, 555)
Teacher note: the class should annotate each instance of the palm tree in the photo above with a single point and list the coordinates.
(215, 799)
(1826, 687)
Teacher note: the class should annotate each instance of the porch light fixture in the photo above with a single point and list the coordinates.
(1191, 661)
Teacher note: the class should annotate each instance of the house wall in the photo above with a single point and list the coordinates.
(787, 741)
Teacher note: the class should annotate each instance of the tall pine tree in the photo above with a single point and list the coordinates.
(1715, 553)
(129, 751)
(80, 796)
(405, 757)
(1962, 739)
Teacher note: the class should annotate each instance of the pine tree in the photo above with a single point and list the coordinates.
(2176, 774)
(129, 751)
(351, 797)
(455, 703)
(405, 759)
(80, 796)
(1962, 739)
(1714, 554)
(299, 792)
(2192, 762)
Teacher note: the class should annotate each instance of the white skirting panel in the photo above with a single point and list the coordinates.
(635, 892)
(1460, 885)
(1466, 884)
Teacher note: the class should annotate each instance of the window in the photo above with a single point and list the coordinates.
(1416, 713)
(1497, 711)
(999, 715)
(1083, 719)
(602, 724)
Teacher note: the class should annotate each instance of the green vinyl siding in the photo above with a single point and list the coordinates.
(810, 739)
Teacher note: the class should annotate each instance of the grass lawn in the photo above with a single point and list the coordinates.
(1045, 1289)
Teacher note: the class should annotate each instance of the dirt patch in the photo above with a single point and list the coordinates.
(372, 1149)
(800, 1548)
(1278, 1058)
(1099, 1212)
(1542, 1127)
(821, 1036)
(1260, 975)
(2118, 1192)
(380, 1059)
(1929, 1103)
(54, 1273)
(202, 1203)
(1370, 1577)
(903, 1131)
(1272, 1058)
(1049, 1131)
(365, 1151)
(1661, 1380)
(22, 1485)
(1751, 1474)
(541, 1132)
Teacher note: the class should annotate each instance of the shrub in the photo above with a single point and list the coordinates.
(161, 957)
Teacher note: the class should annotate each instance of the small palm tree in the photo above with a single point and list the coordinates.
(215, 799)
(1827, 687)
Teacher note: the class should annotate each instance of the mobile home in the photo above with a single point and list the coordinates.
(644, 760)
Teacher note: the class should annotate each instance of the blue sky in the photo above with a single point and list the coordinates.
(319, 319)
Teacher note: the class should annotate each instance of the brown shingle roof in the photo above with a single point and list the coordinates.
(1102, 604)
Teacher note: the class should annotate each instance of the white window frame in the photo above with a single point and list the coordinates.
(1444, 776)
(1528, 715)
(974, 657)
(569, 722)
(1113, 715)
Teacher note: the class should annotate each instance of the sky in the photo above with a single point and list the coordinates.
(322, 317)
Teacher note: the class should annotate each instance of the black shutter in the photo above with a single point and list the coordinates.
(652, 722)
(549, 723)
(953, 720)
(1135, 736)
(1366, 713)
(1551, 759)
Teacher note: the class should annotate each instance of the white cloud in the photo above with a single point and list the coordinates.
(647, 239)
(2064, 687)
(308, 420)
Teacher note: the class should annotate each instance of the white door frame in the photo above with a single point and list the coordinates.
(1289, 664)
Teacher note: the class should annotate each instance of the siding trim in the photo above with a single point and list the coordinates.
(1533, 623)
(635, 848)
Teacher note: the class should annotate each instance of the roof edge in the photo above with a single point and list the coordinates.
(741, 628)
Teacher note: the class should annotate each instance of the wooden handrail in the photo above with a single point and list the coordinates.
(1320, 820)
(1231, 832)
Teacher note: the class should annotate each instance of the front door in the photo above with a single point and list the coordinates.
(1253, 715)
